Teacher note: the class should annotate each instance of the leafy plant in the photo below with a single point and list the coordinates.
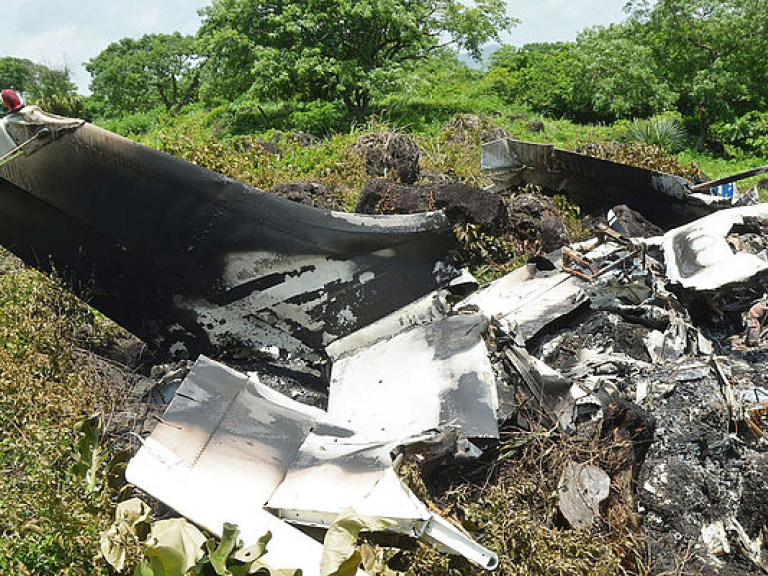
(120, 543)
(174, 547)
(88, 452)
(662, 131)
(487, 257)
(341, 554)
(749, 132)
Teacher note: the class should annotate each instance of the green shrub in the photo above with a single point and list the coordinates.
(663, 131)
(132, 124)
(250, 117)
(321, 118)
(749, 132)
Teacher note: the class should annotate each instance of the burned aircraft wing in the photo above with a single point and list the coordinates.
(597, 184)
(174, 251)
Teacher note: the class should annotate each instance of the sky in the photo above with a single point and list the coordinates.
(58, 33)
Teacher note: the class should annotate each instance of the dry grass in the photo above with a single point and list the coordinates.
(48, 525)
(643, 156)
(510, 504)
(330, 162)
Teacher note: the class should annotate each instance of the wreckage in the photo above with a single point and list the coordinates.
(596, 184)
(419, 359)
(210, 262)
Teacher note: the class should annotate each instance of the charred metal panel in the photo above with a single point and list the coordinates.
(223, 447)
(528, 300)
(596, 184)
(416, 379)
(174, 251)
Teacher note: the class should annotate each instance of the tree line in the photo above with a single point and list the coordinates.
(703, 59)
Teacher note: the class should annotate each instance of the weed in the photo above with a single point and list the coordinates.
(661, 131)
(50, 523)
(488, 257)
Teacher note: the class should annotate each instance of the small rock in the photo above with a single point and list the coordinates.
(306, 140)
(535, 126)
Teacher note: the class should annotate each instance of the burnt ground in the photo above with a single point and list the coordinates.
(705, 467)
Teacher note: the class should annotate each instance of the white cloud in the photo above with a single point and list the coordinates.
(559, 20)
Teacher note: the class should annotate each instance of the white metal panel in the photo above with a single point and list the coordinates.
(222, 448)
(416, 380)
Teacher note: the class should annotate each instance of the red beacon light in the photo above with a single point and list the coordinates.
(11, 100)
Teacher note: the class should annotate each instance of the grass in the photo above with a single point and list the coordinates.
(718, 167)
(48, 524)
(511, 506)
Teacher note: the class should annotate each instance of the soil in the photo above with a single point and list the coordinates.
(462, 204)
(311, 194)
(389, 154)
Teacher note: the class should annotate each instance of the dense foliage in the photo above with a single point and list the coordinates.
(333, 50)
(49, 88)
(701, 58)
(713, 54)
(132, 75)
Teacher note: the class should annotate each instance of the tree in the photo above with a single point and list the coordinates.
(50, 88)
(53, 90)
(605, 75)
(539, 75)
(616, 76)
(713, 54)
(156, 70)
(333, 49)
(17, 73)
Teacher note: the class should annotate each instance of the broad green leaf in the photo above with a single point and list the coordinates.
(89, 456)
(114, 472)
(144, 569)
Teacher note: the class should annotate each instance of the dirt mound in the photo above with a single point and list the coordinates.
(535, 220)
(463, 204)
(309, 193)
(389, 155)
(473, 129)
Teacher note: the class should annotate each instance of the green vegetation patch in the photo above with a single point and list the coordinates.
(49, 524)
